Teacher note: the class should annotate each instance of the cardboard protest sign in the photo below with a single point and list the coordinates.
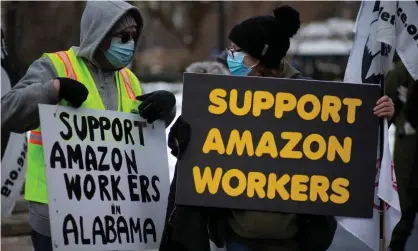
(285, 145)
(108, 179)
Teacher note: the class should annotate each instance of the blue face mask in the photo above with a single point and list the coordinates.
(120, 54)
(236, 65)
(235, 61)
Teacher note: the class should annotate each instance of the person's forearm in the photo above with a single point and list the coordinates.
(20, 106)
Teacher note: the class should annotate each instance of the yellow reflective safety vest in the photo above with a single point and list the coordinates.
(69, 65)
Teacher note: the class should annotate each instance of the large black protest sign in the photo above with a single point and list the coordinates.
(285, 145)
(107, 176)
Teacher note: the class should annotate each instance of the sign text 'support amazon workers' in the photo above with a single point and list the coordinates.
(279, 145)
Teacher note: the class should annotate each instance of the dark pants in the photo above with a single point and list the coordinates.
(235, 246)
(403, 229)
(41, 242)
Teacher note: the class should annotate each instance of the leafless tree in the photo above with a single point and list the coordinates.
(34, 28)
(182, 19)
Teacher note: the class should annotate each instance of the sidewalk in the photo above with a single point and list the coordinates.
(22, 243)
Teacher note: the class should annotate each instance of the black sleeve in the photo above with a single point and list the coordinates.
(186, 227)
(411, 107)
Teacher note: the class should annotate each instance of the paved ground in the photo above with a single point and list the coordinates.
(343, 242)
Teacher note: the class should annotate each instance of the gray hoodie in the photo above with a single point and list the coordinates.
(20, 105)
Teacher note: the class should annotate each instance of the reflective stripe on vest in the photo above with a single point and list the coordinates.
(128, 85)
(67, 64)
(69, 70)
(35, 137)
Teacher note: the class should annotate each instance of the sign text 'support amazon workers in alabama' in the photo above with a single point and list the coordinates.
(107, 175)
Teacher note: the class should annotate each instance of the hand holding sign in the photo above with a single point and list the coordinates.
(384, 107)
(179, 136)
(156, 105)
(72, 91)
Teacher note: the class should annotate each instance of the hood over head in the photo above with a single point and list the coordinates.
(97, 21)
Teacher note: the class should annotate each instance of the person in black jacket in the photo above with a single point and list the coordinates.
(258, 46)
(406, 223)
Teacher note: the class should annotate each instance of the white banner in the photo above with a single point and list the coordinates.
(13, 170)
(108, 179)
(382, 27)
(13, 162)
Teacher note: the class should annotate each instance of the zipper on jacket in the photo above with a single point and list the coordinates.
(171, 217)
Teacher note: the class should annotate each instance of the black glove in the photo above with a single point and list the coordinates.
(156, 105)
(72, 91)
(179, 136)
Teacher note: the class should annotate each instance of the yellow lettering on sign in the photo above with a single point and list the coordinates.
(256, 183)
(344, 151)
(340, 188)
(233, 103)
(314, 146)
(214, 142)
(226, 182)
(316, 104)
(218, 103)
(287, 151)
(298, 187)
(331, 106)
(263, 100)
(267, 145)
(352, 104)
(285, 102)
(256, 102)
(277, 185)
(319, 187)
(239, 143)
(307, 146)
(207, 179)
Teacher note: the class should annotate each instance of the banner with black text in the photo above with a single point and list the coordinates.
(13, 146)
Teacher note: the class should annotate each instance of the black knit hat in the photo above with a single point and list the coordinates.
(267, 38)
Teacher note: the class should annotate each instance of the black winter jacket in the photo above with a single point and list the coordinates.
(190, 228)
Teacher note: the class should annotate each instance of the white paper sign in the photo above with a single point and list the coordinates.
(108, 179)
(13, 163)
(13, 169)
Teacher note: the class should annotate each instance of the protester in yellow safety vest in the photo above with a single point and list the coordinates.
(93, 75)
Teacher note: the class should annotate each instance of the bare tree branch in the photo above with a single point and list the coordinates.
(195, 12)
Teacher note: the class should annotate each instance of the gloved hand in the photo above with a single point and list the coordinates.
(179, 137)
(72, 91)
(156, 105)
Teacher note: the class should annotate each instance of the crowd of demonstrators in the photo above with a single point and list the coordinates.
(258, 46)
(87, 76)
(401, 87)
